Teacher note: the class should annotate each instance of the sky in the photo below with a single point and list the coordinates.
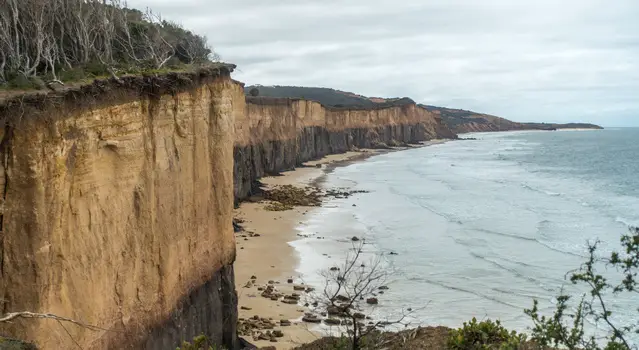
(525, 60)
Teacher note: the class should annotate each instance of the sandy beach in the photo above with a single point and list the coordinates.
(263, 252)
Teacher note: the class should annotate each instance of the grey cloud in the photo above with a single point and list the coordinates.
(543, 60)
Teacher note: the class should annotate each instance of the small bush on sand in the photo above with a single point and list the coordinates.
(201, 342)
(484, 335)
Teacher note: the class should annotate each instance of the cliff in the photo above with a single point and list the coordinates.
(462, 121)
(277, 134)
(457, 120)
(117, 205)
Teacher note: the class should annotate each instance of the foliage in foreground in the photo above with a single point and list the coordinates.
(484, 335)
(201, 342)
(565, 328)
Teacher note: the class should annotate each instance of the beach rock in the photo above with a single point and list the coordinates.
(381, 292)
(277, 333)
(299, 287)
(383, 288)
(273, 340)
(334, 268)
(354, 205)
(271, 282)
(355, 239)
(393, 253)
(336, 311)
(309, 289)
(341, 298)
(285, 323)
(289, 301)
(245, 308)
(263, 336)
(372, 301)
(332, 321)
(268, 348)
(236, 226)
(359, 316)
(311, 319)
(290, 280)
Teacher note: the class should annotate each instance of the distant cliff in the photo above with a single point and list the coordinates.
(457, 120)
(462, 121)
(277, 134)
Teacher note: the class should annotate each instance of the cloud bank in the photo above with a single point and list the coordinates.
(541, 60)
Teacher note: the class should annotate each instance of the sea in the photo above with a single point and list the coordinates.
(481, 228)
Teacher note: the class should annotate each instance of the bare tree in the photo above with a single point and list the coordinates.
(158, 49)
(349, 296)
(46, 37)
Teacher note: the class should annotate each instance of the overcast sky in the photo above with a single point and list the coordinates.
(526, 60)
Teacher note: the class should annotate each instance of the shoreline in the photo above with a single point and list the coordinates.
(264, 252)
(526, 130)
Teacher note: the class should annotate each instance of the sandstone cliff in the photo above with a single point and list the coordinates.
(463, 121)
(277, 134)
(116, 211)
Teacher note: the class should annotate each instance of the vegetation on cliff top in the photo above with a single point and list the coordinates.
(326, 96)
(56, 41)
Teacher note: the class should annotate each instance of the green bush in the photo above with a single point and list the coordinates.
(484, 335)
(19, 81)
(201, 342)
(73, 74)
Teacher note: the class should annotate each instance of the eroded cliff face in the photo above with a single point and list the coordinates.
(275, 134)
(117, 213)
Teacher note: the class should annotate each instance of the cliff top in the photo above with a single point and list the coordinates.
(268, 100)
(14, 105)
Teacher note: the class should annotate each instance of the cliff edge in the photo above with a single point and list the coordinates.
(117, 205)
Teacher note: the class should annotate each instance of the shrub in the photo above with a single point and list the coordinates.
(484, 335)
(73, 74)
(20, 82)
(201, 342)
(565, 327)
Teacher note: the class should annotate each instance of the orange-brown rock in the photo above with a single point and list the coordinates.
(116, 211)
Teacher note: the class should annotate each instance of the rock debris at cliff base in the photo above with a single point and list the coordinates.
(286, 197)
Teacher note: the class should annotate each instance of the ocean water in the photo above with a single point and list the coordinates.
(482, 227)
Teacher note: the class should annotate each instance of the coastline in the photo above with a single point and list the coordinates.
(264, 252)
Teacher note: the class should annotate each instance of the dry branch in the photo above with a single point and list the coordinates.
(27, 314)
